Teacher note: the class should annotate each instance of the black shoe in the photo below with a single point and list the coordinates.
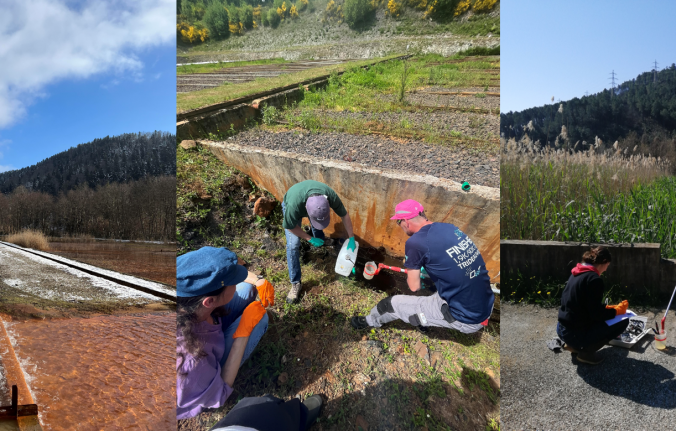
(423, 329)
(314, 406)
(359, 322)
(589, 358)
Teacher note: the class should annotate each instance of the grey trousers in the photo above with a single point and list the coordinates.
(417, 310)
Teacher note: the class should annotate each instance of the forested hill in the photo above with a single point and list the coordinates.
(638, 112)
(113, 159)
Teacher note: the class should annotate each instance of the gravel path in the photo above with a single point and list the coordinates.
(479, 126)
(422, 97)
(374, 151)
(632, 389)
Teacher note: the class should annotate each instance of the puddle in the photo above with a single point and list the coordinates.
(106, 372)
(155, 262)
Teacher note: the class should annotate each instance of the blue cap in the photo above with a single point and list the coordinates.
(207, 270)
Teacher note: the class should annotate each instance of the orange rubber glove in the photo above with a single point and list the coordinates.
(266, 292)
(253, 314)
(620, 308)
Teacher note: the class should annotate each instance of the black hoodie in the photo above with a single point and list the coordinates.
(582, 302)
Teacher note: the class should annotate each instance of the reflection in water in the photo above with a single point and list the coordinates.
(155, 262)
(107, 372)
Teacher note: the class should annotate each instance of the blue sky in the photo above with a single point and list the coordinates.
(76, 74)
(566, 48)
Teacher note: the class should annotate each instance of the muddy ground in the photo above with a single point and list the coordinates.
(458, 164)
(33, 287)
(632, 389)
(393, 378)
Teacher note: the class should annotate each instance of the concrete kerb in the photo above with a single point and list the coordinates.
(370, 196)
(634, 265)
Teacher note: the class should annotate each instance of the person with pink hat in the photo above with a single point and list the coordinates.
(463, 299)
(315, 201)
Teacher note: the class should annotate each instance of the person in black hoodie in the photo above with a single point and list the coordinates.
(582, 316)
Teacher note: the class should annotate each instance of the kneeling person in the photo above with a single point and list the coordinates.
(463, 300)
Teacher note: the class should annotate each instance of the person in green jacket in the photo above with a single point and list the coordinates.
(315, 201)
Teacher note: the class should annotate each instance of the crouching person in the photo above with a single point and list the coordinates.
(463, 300)
(218, 325)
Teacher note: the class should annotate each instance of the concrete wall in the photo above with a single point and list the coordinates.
(370, 196)
(633, 265)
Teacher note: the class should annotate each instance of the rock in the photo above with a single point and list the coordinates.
(264, 206)
(243, 183)
(283, 378)
(361, 424)
(422, 351)
(375, 345)
(252, 198)
(188, 144)
(435, 357)
(364, 338)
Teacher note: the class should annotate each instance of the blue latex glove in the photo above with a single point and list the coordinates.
(317, 242)
(350, 244)
(423, 273)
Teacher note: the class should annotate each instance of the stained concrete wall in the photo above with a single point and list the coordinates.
(633, 265)
(370, 196)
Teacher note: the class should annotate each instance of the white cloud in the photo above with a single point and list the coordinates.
(5, 168)
(45, 41)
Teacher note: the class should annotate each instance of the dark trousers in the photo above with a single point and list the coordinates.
(266, 413)
(599, 332)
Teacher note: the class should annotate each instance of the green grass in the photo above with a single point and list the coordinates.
(213, 67)
(209, 96)
(357, 89)
(578, 202)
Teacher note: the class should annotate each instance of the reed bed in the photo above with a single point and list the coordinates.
(29, 239)
(601, 196)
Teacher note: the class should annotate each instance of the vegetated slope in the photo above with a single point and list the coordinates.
(640, 112)
(315, 35)
(113, 159)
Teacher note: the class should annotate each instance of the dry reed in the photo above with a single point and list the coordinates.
(29, 239)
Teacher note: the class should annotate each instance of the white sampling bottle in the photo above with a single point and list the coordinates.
(346, 259)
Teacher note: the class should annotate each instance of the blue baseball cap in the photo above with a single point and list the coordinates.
(207, 270)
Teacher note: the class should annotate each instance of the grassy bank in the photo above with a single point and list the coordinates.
(379, 378)
(197, 99)
(588, 198)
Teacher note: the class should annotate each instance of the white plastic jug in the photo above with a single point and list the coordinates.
(346, 259)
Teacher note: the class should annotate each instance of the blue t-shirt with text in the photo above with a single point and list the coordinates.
(456, 267)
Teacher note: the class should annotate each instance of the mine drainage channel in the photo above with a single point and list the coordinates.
(105, 372)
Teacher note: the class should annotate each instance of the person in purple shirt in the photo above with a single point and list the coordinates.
(218, 325)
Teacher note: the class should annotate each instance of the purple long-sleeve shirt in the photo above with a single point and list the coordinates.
(199, 383)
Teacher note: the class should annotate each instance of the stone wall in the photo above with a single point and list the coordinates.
(370, 196)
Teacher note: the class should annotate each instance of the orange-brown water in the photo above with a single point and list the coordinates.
(103, 373)
(155, 262)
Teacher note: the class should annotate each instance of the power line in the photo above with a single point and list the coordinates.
(655, 72)
(612, 82)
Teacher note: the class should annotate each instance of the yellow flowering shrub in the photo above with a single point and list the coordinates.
(302, 5)
(237, 28)
(293, 12)
(393, 8)
(255, 25)
(257, 12)
(418, 4)
(190, 34)
(431, 9)
(481, 6)
(462, 7)
(282, 11)
(333, 12)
